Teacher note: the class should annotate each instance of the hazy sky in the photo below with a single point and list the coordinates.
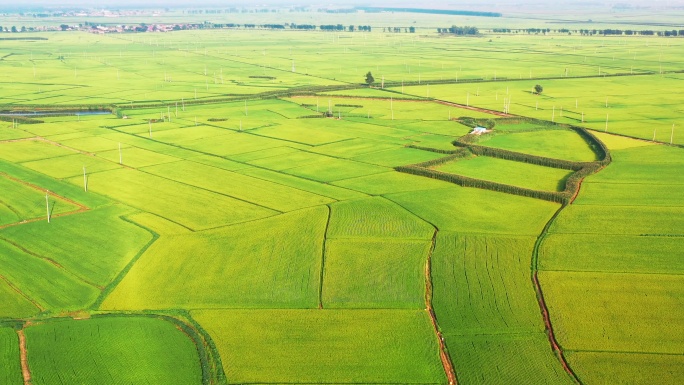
(228, 3)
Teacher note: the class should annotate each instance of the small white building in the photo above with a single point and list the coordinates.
(479, 130)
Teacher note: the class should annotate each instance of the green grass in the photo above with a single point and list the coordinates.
(10, 370)
(51, 286)
(14, 304)
(398, 157)
(469, 210)
(305, 131)
(391, 182)
(136, 157)
(71, 165)
(325, 346)
(612, 253)
(482, 285)
(560, 144)
(23, 202)
(192, 207)
(505, 359)
(508, 172)
(318, 188)
(620, 220)
(28, 150)
(375, 218)
(631, 194)
(374, 274)
(330, 170)
(243, 187)
(634, 368)
(111, 350)
(75, 242)
(616, 312)
(267, 263)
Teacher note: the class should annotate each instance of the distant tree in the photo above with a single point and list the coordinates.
(369, 78)
(538, 89)
(23, 28)
(64, 27)
(14, 29)
(412, 29)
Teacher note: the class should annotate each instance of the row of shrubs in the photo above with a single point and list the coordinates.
(465, 148)
(20, 119)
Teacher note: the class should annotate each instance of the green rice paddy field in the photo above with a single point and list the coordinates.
(239, 216)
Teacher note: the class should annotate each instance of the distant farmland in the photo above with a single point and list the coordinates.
(252, 212)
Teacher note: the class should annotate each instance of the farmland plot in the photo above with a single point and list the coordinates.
(274, 262)
(10, 370)
(365, 273)
(111, 350)
(325, 346)
(21, 202)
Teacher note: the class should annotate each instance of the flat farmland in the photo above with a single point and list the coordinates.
(116, 349)
(9, 356)
(325, 346)
(242, 220)
(261, 264)
(508, 172)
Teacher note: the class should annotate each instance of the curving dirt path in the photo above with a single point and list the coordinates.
(25, 371)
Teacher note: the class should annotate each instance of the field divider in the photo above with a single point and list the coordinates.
(443, 352)
(115, 282)
(18, 291)
(325, 240)
(557, 349)
(23, 354)
(52, 262)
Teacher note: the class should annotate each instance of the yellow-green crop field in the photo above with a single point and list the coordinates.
(237, 206)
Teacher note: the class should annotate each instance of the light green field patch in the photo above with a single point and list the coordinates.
(398, 157)
(375, 218)
(10, 370)
(289, 160)
(620, 220)
(305, 131)
(246, 188)
(636, 194)
(481, 285)
(626, 368)
(560, 144)
(374, 274)
(50, 286)
(70, 165)
(270, 263)
(353, 147)
(219, 162)
(436, 141)
(180, 203)
(75, 242)
(317, 188)
(616, 142)
(111, 350)
(505, 359)
(157, 224)
(90, 144)
(325, 346)
(14, 304)
(136, 157)
(470, 210)
(612, 253)
(7, 133)
(186, 134)
(445, 127)
(649, 154)
(648, 173)
(607, 311)
(233, 144)
(508, 172)
(391, 182)
(28, 150)
(256, 155)
(23, 202)
(330, 170)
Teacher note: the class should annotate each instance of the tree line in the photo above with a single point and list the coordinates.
(591, 32)
(459, 31)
